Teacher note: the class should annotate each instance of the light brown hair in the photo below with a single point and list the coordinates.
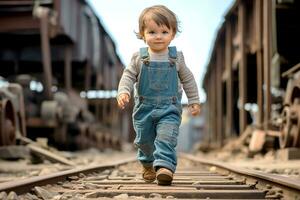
(161, 15)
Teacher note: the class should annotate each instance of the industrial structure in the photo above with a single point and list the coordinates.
(52, 55)
(252, 77)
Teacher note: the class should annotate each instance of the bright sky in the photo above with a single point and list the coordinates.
(199, 22)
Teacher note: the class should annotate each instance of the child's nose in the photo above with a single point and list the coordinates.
(158, 35)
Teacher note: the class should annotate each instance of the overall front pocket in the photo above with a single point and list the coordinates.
(159, 79)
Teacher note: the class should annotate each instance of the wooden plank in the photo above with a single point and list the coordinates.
(185, 187)
(229, 89)
(140, 181)
(16, 3)
(219, 95)
(19, 23)
(267, 6)
(242, 66)
(46, 53)
(230, 194)
(259, 60)
(49, 155)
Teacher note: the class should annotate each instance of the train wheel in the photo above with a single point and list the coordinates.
(285, 139)
(7, 123)
(295, 130)
(290, 129)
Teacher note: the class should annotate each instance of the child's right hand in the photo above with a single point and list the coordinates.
(123, 100)
(194, 109)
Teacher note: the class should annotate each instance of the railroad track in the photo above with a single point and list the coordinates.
(194, 179)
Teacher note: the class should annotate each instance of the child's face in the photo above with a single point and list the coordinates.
(157, 37)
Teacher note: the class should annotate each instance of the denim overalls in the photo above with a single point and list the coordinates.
(157, 111)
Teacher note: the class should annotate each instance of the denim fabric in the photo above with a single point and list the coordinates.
(157, 112)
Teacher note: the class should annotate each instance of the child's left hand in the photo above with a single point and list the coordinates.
(194, 109)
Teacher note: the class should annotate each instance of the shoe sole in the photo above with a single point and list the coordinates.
(148, 181)
(164, 179)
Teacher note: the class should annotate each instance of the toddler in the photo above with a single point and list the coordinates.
(157, 74)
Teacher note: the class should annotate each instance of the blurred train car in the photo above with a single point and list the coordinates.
(58, 51)
(252, 77)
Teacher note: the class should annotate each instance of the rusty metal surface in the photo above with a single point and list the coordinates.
(62, 46)
(290, 115)
(258, 41)
(7, 123)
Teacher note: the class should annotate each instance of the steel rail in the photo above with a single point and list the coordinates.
(272, 179)
(25, 185)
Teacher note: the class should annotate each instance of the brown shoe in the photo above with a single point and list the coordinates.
(148, 174)
(164, 176)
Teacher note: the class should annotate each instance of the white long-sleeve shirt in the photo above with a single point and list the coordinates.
(131, 76)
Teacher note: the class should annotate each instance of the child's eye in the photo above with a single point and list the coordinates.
(165, 32)
(151, 32)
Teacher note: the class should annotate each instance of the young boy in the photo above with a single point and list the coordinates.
(157, 73)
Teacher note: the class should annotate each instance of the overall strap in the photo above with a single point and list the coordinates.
(173, 52)
(172, 55)
(145, 58)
